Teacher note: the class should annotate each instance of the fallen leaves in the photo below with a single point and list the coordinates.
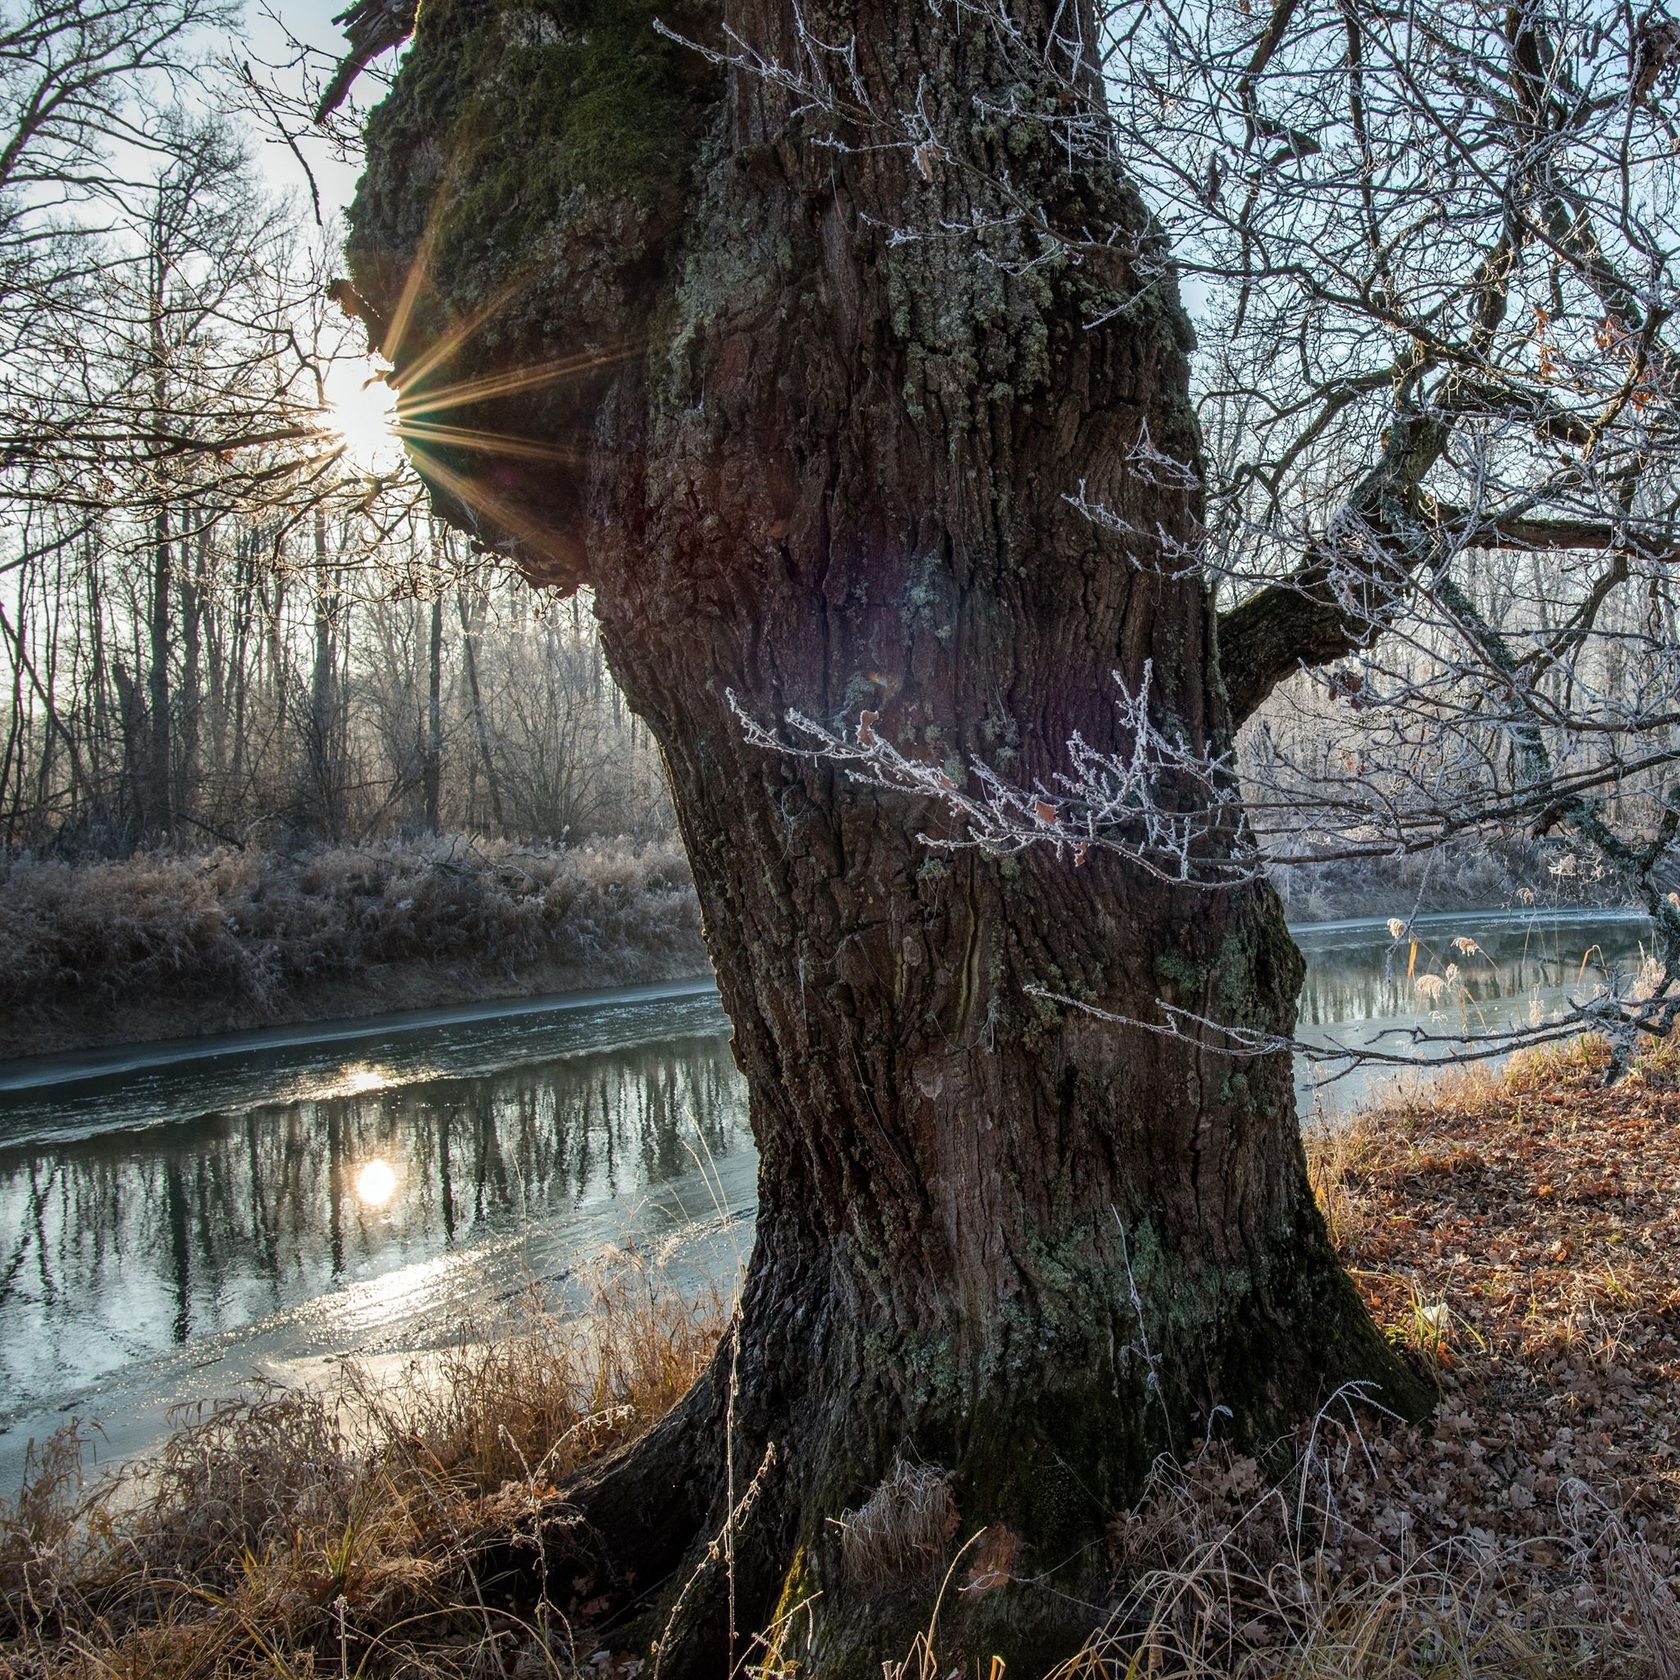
(1538, 1216)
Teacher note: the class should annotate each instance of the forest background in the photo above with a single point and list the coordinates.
(275, 742)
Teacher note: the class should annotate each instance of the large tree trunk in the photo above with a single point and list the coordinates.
(813, 467)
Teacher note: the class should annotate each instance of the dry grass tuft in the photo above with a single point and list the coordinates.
(1327, 1576)
(903, 1527)
(531, 1404)
(305, 1532)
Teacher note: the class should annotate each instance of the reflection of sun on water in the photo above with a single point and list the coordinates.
(376, 1182)
(354, 1080)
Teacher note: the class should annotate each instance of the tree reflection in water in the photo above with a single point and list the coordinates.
(119, 1244)
(385, 1202)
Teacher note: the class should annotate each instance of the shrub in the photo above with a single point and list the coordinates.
(247, 926)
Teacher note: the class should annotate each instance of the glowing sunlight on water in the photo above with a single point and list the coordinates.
(376, 1182)
(356, 1080)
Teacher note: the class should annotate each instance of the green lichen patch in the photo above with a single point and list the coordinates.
(511, 124)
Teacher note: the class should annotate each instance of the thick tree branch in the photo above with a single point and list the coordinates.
(371, 27)
(1305, 621)
(1280, 629)
(1337, 596)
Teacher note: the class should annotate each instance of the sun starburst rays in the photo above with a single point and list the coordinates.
(413, 401)
(431, 414)
(491, 443)
(557, 548)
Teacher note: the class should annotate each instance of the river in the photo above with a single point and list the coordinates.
(179, 1221)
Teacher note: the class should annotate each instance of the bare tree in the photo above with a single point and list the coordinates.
(86, 123)
(1437, 258)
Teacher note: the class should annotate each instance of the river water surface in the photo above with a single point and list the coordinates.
(178, 1221)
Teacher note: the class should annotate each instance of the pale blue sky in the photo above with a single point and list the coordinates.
(263, 39)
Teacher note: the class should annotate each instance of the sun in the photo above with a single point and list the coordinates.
(362, 412)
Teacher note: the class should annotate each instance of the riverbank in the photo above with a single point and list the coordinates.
(176, 946)
(1520, 1233)
(165, 946)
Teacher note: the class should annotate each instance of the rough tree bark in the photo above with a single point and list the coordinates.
(811, 466)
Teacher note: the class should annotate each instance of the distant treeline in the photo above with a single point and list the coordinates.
(287, 702)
